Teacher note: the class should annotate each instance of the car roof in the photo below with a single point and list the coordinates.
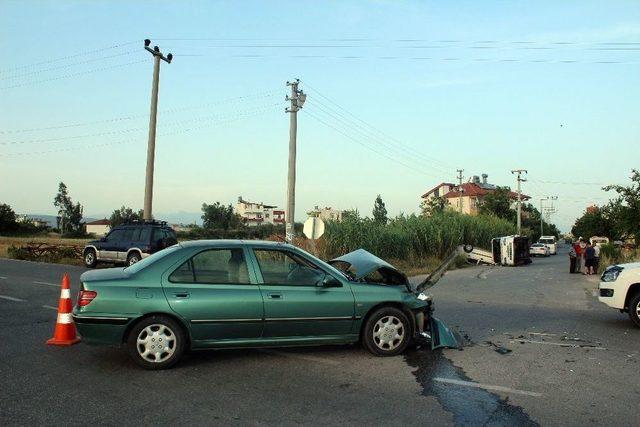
(230, 242)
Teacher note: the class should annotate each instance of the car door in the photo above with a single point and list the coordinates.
(217, 294)
(294, 304)
(126, 242)
(109, 247)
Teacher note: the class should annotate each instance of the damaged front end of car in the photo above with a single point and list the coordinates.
(363, 267)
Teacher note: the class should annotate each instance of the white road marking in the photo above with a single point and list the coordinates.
(3, 278)
(50, 307)
(559, 344)
(46, 283)
(8, 298)
(542, 333)
(301, 357)
(487, 387)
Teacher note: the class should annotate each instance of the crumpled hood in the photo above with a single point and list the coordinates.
(104, 274)
(362, 263)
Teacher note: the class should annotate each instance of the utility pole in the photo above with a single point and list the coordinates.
(460, 189)
(541, 221)
(519, 172)
(151, 146)
(297, 99)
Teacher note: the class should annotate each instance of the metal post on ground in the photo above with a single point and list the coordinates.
(297, 99)
(519, 179)
(151, 146)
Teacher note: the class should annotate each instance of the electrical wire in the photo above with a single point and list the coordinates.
(260, 95)
(393, 141)
(365, 145)
(63, 58)
(66, 76)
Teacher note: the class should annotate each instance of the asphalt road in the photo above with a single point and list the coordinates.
(539, 349)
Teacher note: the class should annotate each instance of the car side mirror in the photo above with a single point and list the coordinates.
(103, 239)
(329, 282)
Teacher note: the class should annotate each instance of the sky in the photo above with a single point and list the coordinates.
(400, 95)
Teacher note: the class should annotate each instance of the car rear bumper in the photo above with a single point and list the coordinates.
(101, 330)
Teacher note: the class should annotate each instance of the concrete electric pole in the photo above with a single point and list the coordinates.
(151, 147)
(541, 221)
(297, 99)
(519, 172)
(460, 189)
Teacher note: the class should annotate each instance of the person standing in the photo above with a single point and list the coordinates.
(589, 258)
(596, 260)
(572, 259)
(579, 256)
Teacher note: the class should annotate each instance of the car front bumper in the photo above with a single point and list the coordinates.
(612, 294)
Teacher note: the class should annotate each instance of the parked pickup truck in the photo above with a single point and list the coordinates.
(620, 288)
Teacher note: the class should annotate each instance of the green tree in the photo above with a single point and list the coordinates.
(69, 214)
(7, 218)
(626, 208)
(498, 203)
(433, 205)
(124, 214)
(596, 221)
(218, 216)
(379, 211)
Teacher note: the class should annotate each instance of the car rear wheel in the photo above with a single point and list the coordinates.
(387, 332)
(90, 258)
(156, 342)
(634, 309)
(133, 257)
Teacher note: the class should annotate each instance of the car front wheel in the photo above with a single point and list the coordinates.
(90, 259)
(156, 342)
(387, 332)
(634, 309)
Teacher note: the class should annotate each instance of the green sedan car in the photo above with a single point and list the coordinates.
(236, 294)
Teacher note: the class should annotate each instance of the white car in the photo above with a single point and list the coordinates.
(538, 249)
(620, 288)
(549, 242)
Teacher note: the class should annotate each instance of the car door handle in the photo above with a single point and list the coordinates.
(274, 295)
(181, 294)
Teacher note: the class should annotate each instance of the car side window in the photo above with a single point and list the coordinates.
(128, 234)
(214, 266)
(115, 235)
(145, 234)
(136, 235)
(285, 268)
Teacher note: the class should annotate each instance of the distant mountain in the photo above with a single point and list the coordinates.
(52, 220)
(171, 218)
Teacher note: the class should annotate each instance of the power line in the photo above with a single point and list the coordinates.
(60, 67)
(66, 76)
(63, 58)
(269, 94)
(367, 146)
(176, 132)
(138, 129)
(397, 142)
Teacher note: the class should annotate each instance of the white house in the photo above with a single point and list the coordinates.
(253, 213)
(98, 228)
(326, 213)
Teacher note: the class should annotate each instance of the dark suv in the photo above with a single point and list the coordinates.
(129, 243)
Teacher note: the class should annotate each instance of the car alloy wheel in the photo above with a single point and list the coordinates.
(133, 258)
(88, 258)
(388, 333)
(156, 343)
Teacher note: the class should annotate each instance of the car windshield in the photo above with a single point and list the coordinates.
(134, 268)
(547, 241)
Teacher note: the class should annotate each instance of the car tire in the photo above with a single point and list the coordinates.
(387, 332)
(133, 257)
(90, 258)
(634, 309)
(146, 346)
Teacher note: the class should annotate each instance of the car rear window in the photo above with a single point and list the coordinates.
(145, 262)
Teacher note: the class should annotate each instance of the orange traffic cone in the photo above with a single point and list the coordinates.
(65, 333)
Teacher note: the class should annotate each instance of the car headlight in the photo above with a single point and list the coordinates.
(424, 297)
(611, 274)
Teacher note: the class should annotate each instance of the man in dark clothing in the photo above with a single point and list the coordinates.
(572, 260)
(589, 259)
